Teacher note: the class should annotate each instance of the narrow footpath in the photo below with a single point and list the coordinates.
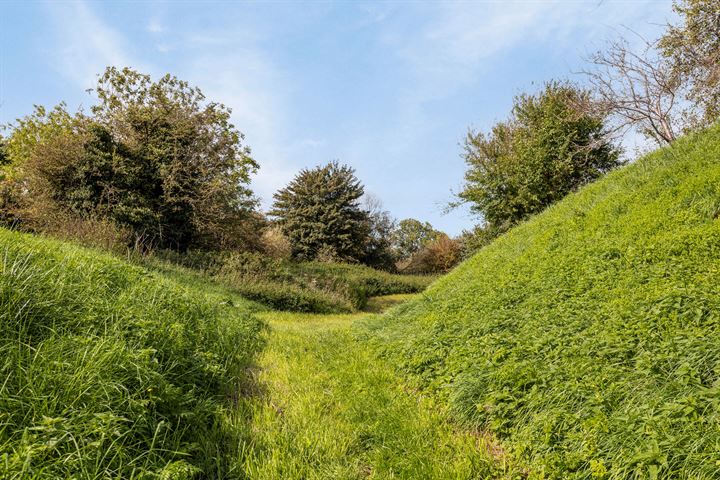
(327, 408)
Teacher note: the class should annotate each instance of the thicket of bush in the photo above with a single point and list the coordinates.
(290, 285)
(588, 339)
(111, 371)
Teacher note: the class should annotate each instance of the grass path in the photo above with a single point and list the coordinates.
(328, 409)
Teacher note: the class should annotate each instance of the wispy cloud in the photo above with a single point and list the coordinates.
(85, 44)
(154, 26)
(239, 74)
(461, 39)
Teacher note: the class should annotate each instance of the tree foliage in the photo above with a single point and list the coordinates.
(320, 212)
(379, 252)
(693, 46)
(553, 143)
(152, 155)
(411, 236)
(3, 156)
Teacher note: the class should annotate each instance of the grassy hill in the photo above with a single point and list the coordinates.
(108, 370)
(587, 340)
(116, 369)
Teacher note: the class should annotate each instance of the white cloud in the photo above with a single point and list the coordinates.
(85, 44)
(244, 79)
(154, 26)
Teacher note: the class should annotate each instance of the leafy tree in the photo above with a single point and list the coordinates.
(38, 142)
(3, 156)
(320, 213)
(186, 153)
(411, 236)
(5, 192)
(553, 143)
(693, 46)
(379, 251)
(153, 156)
(438, 255)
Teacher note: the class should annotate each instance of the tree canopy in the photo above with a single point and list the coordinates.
(320, 213)
(411, 236)
(694, 49)
(553, 143)
(153, 156)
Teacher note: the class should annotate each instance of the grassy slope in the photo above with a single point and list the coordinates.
(588, 339)
(110, 371)
(329, 410)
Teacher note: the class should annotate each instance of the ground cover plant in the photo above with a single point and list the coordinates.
(290, 285)
(331, 410)
(112, 371)
(587, 340)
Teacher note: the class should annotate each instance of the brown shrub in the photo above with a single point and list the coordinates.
(437, 256)
(275, 244)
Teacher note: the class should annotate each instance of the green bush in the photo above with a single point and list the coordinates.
(110, 371)
(588, 339)
(289, 285)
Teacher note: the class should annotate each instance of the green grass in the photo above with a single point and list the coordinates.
(108, 370)
(288, 285)
(583, 344)
(587, 339)
(327, 408)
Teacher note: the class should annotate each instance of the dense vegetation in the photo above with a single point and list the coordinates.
(290, 285)
(153, 158)
(320, 213)
(111, 371)
(580, 344)
(587, 339)
(553, 143)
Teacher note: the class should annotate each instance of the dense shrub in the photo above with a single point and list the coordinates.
(588, 339)
(437, 256)
(291, 285)
(275, 244)
(553, 143)
(153, 157)
(110, 371)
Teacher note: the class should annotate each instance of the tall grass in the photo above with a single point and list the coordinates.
(588, 339)
(288, 285)
(110, 371)
(331, 410)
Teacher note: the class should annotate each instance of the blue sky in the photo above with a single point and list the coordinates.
(390, 88)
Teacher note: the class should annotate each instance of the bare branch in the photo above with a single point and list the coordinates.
(638, 90)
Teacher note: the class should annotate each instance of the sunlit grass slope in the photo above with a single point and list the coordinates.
(110, 371)
(588, 339)
(330, 410)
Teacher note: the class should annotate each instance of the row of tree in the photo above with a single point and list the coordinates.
(566, 136)
(321, 214)
(153, 164)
